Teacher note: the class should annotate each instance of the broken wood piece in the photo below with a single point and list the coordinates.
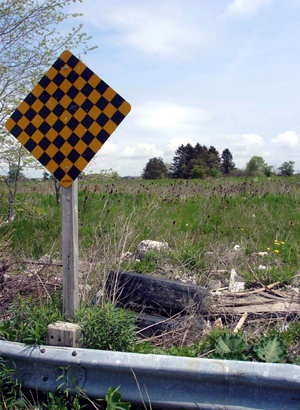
(240, 322)
(218, 323)
(268, 287)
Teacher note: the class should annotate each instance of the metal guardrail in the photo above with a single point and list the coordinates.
(169, 382)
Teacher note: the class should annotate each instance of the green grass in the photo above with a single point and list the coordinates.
(194, 217)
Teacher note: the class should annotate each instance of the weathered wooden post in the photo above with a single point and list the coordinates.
(70, 249)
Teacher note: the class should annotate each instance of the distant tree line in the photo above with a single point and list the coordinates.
(191, 162)
(199, 162)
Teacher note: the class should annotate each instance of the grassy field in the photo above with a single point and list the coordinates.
(202, 221)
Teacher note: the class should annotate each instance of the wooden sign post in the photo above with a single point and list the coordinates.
(63, 122)
(70, 249)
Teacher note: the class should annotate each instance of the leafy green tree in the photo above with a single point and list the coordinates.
(198, 172)
(227, 163)
(257, 166)
(30, 43)
(155, 169)
(214, 172)
(287, 169)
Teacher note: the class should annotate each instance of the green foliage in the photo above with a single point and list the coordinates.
(227, 163)
(210, 340)
(292, 334)
(185, 351)
(230, 346)
(29, 319)
(271, 349)
(107, 328)
(113, 400)
(194, 162)
(257, 166)
(10, 387)
(148, 264)
(214, 172)
(155, 169)
(198, 172)
(287, 168)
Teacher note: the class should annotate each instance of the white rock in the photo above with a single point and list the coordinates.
(149, 246)
(262, 253)
(262, 267)
(237, 248)
(236, 283)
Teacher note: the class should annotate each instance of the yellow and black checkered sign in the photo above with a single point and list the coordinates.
(67, 118)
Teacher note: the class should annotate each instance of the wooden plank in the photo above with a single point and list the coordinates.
(153, 294)
(70, 249)
(264, 308)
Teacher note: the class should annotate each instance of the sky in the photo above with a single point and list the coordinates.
(218, 72)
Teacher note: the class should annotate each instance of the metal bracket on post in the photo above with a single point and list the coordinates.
(70, 249)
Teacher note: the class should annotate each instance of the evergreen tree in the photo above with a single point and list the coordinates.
(213, 160)
(227, 163)
(155, 169)
(181, 166)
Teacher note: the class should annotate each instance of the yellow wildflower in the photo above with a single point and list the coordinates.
(268, 249)
(276, 251)
(282, 243)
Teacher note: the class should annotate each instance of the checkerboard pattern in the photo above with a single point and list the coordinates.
(67, 117)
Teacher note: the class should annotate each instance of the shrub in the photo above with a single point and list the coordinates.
(107, 328)
(29, 319)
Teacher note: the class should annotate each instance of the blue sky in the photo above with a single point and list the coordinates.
(218, 72)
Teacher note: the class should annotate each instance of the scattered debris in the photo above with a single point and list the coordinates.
(240, 322)
(236, 283)
(152, 294)
(214, 284)
(126, 256)
(237, 248)
(218, 323)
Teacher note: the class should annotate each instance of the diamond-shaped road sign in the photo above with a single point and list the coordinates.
(67, 117)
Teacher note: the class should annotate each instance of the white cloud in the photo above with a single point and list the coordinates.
(245, 7)
(164, 115)
(176, 142)
(142, 150)
(287, 138)
(159, 28)
(253, 139)
(109, 148)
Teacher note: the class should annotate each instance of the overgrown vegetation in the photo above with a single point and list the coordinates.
(106, 328)
(202, 221)
(197, 218)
